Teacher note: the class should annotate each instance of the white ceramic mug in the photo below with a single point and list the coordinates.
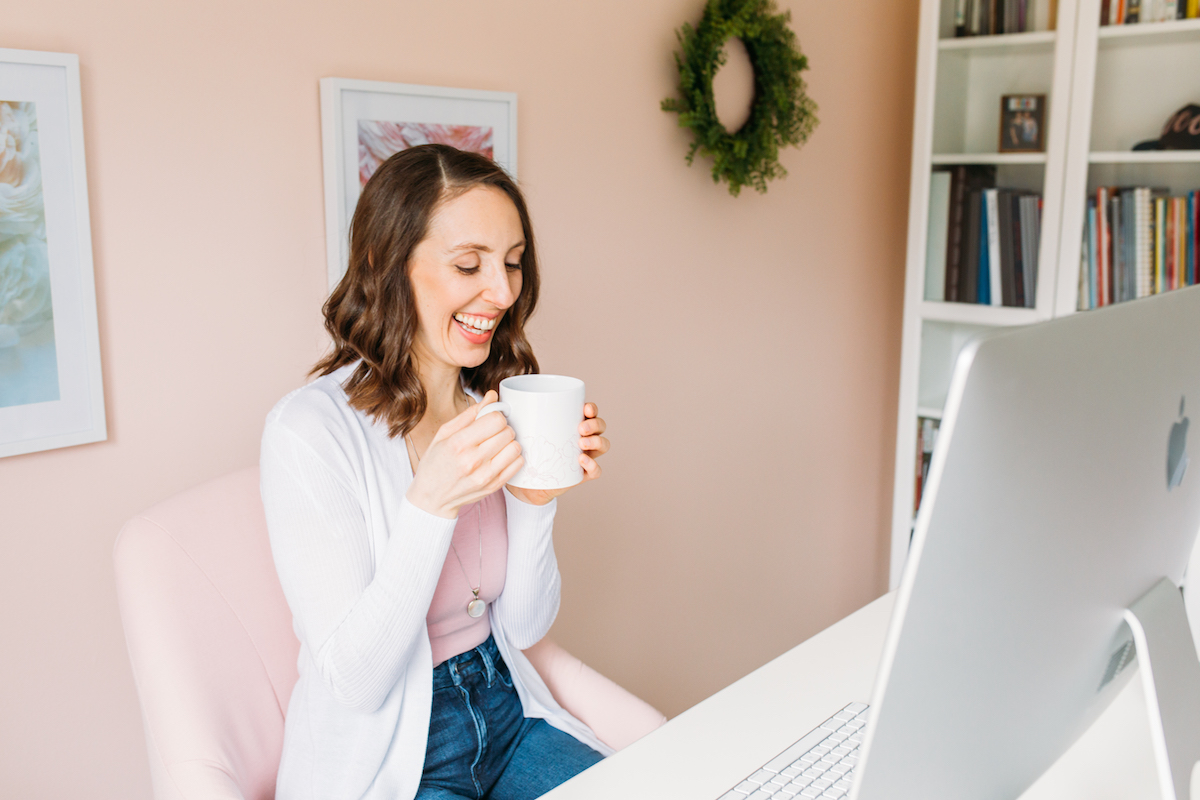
(545, 412)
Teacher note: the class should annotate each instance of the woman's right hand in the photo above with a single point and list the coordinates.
(467, 460)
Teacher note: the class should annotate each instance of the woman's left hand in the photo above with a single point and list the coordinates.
(593, 446)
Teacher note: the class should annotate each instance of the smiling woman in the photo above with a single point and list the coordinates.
(416, 576)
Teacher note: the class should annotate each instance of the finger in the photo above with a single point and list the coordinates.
(590, 410)
(478, 431)
(508, 470)
(594, 445)
(591, 470)
(490, 447)
(456, 424)
(587, 427)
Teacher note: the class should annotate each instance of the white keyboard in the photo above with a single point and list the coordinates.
(819, 765)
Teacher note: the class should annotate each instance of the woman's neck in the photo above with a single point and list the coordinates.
(444, 397)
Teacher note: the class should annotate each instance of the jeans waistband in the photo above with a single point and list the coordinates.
(482, 661)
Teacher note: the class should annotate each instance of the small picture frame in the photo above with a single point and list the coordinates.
(1023, 123)
(364, 122)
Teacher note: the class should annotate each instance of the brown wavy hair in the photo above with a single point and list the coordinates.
(371, 314)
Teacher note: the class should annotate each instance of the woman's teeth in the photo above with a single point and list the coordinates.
(476, 325)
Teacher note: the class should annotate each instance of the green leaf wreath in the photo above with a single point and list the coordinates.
(782, 114)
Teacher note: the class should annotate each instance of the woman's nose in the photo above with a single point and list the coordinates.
(499, 291)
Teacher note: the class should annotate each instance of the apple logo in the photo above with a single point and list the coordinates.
(1177, 458)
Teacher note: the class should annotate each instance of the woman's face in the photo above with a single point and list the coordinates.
(465, 274)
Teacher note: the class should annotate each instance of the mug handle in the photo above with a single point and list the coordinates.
(503, 408)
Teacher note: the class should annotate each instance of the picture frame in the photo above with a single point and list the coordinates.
(51, 389)
(364, 122)
(1022, 123)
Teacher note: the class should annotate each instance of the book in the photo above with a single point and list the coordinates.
(1041, 15)
(935, 242)
(996, 263)
(968, 287)
(964, 178)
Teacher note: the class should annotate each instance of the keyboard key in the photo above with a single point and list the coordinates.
(822, 783)
(857, 708)
(843, 784)
(793, 771)
(812, 773)
(856, 737)
(779, 780)
(732, 794)
(788, 791)
(833, 793)
(810, 791)
(746, 787)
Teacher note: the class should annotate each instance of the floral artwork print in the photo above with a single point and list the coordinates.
(378, 140)
(28, 362)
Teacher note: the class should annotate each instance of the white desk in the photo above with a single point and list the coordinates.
(714, 745)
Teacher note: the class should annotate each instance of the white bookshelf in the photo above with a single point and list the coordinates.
(1107, 88)
(956, 120)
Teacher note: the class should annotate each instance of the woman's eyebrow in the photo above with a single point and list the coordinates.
(483, 248)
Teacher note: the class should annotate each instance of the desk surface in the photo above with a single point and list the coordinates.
(703, 752)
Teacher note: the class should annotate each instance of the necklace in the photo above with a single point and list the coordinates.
(477, 607)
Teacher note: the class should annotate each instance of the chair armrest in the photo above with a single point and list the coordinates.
(615, 715)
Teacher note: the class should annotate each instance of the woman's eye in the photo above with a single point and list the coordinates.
(513, 266)
(467, 270)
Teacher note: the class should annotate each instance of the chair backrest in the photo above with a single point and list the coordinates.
(210, 640)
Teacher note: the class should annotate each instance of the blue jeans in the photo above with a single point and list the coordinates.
(480, 743)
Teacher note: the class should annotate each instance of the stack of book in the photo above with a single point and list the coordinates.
(982, 244)
(927, 431)
(1137, 242)
(991, 17)
(1128, 12)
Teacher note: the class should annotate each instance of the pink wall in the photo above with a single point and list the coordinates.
(744, 351)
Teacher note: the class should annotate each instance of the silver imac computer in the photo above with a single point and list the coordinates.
(1051, 545)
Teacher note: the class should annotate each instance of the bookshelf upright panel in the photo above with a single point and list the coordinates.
(957, 125)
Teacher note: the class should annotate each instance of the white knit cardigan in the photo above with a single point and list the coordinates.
(359, 564)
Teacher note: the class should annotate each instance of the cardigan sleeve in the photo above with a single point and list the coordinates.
(529, 603)
(358, 613)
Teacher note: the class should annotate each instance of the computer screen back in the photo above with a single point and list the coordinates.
(1047, 512)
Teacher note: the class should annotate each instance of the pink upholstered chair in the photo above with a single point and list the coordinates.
(214, 655)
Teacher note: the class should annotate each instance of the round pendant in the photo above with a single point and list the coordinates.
(475, 608)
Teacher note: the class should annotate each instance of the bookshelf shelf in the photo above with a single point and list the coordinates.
(1014, 42)
(989, 158)
(976, 314)
(1145, 157)
(1149, 33)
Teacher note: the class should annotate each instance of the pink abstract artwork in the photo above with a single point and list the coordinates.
(377, 140)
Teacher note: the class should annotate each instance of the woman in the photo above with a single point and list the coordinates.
(415, 577)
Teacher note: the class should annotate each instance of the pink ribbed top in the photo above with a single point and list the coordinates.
(451, 629)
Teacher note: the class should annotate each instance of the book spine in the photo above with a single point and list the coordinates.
(996, 288)
(1116, 276)
(994, 261)
(1194, 238)
(968, 282)
(1094, 255)
(1103, 243)
(1160, 213)
(1018, 249)
(960, 17)
(958, 188)
(935, 241)
(1105, 7)
(1144, 236)
(1132, 11)
(1193, 9)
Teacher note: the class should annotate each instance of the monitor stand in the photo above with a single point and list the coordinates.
(1171, 680)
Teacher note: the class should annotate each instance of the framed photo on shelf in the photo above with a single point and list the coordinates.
(51, 393)
(1023, 123)
(365, 122)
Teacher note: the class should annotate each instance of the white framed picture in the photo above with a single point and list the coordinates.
(51, 393)
(364, 122)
